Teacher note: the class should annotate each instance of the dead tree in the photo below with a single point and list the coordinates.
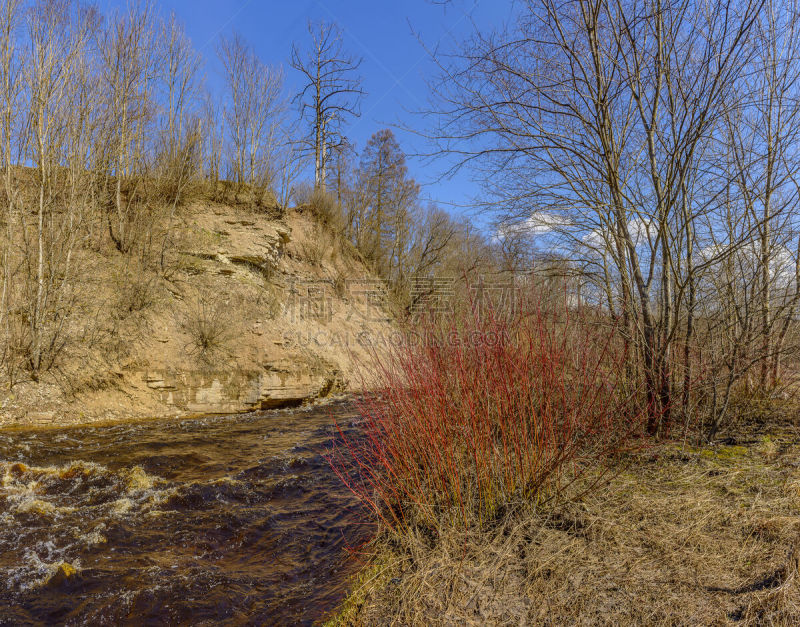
(331, 92)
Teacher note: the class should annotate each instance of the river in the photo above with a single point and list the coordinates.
(215, 520)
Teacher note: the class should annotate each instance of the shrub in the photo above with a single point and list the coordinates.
(207, 322)
(321, 204)
(136, 290)
(478, 414)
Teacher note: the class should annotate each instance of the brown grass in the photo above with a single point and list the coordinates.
(683, 535)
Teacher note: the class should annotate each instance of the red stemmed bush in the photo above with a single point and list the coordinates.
(476, 414)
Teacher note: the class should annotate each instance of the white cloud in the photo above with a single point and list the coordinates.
(782, 261)
(638, 228)
(538, 223)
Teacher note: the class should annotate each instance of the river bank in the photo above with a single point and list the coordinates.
(129, 416)
(681, 535)
(252, 312)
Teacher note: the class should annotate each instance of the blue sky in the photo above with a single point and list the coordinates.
(383, 33)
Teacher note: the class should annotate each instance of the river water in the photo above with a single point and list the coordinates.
(219, 520)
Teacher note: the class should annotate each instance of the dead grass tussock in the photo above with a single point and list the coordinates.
(682, 536)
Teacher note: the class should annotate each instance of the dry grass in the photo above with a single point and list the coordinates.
(681, 536)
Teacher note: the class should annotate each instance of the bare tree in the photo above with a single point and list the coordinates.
(58, 38)
(603, 114)
(254, 112)
(127, 49)
(181, 84)
(762, 134)
(10, 86)
(332, 91)
(213, 134)
(289, 163)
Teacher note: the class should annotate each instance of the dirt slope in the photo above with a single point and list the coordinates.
(251, 312)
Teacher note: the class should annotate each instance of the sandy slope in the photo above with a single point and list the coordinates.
(292, 308)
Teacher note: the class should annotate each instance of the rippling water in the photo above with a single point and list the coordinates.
(233, 520)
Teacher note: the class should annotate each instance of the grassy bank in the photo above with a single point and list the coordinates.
(681, 535)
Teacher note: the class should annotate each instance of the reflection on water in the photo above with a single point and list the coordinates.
(212, 520)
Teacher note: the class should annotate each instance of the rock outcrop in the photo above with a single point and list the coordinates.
(254, 313)
(227, 392)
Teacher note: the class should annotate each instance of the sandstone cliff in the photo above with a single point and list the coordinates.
(252, 312)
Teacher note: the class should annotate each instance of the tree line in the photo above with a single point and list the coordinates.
(652, 144)
(108, 123)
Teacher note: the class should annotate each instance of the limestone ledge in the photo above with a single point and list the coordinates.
(237, 391)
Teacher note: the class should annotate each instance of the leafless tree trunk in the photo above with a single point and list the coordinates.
(331, 92)
(9, 84)
(127, 48)
(254, 114)
(58, 37)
